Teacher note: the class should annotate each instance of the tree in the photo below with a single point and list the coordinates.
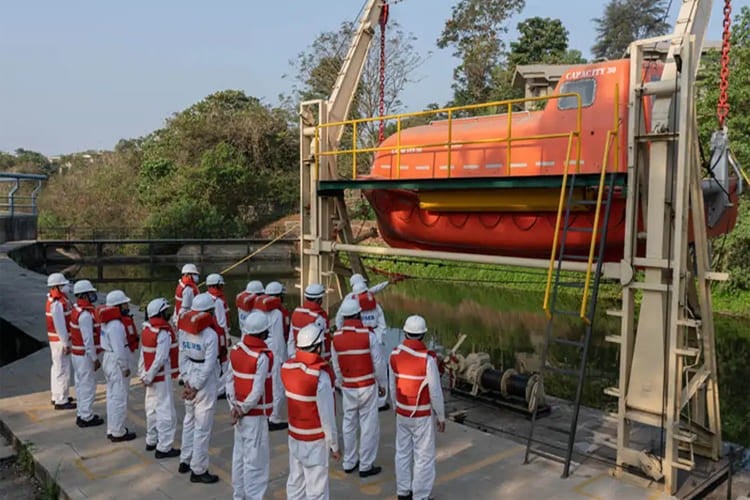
(475, 31)
(625, 21)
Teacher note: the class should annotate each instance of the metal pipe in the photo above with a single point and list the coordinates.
(611, 269)
(34, 194)
(11, 196)
(10, 175)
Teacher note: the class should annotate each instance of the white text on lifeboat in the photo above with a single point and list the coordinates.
(590, 73)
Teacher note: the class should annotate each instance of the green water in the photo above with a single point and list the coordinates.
(509, 324)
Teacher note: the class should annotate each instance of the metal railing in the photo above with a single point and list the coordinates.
(449, 143)
(18, 203)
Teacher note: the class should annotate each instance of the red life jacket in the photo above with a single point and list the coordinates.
(52, 296)
(185, 282)
(76, 337)
(111, 313)
(308, 313)
(409, 365)
(223, 339)
(268, 303)
(352, 344)
(244, 358)
(150, 337)
(194, 322)
(245, 301)
(300, 376)
(367, 301)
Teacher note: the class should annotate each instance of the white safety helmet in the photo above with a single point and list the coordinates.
(116, 298)
(189, 269)
(315, 291)
(415, 326)
(309, 336)
(214, 279)
(57, 279)
(255, 323)
(83, 286)
(156, 306)
(255, 287)
(356, 278)
(350, 307)
(202, 302)
(359, 287)
(274, 288)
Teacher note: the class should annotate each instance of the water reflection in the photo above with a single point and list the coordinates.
(506, 323)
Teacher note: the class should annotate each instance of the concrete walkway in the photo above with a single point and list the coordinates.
(471, 464)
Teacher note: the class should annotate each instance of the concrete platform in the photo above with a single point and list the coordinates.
(471, 463)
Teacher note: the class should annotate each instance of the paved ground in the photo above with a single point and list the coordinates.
(471, 463)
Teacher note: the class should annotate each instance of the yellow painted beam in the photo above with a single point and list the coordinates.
(496, 200)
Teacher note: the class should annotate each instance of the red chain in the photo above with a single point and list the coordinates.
(381, 104)
(722, 109)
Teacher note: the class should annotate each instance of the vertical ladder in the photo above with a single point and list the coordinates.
(590, 291)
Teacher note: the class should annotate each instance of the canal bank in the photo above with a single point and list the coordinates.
(480, 460)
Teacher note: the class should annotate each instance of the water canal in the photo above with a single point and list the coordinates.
(505, 321)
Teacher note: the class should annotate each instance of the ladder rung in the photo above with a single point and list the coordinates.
(614, 312)
(653, 263)
(653, 287)
(612, 391)
(615, 339)
(580, 229)
(571, 284)
(668, 136)
(684, 464)
(589, 202)
(690, 323)
(579, 258)
(576, 314)
(687, 351)
(564, 341)
(685, 436)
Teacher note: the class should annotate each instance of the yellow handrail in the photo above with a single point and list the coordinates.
(450, 143)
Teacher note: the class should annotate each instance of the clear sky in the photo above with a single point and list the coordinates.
(82, 74)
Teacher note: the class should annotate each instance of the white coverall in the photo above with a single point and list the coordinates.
(415, 440)
(59, 373)
(308, 460)
(161, 416)
(221, 319)
(373, 290)
(251, 455)
(83, 368)
(361, 409)
(199, 412)
(277, 344)
(291, 345)
(187, 301)
(116, 361)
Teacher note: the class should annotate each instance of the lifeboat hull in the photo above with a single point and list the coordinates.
(404, 224)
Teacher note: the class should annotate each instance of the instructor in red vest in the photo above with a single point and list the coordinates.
(308, 381)
(418, 399)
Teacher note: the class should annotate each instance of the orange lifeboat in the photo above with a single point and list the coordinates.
(491, 184)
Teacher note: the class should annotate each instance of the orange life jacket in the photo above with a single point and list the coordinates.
(185, 282)
(268, 303)
(352, 344)
(244, 358)
(245, 301)
(308, 313)
(409, 365)
(52, 296)
(76, 337)
(150, 338)
(300, 376)
(112, 313)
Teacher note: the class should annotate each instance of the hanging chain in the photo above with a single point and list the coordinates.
(722, 109)
(381, 103)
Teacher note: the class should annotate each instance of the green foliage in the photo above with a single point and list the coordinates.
(474, 31)
(541, 41)
(26, 161)
(624, 21)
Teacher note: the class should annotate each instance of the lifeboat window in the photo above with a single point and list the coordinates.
(585, 88)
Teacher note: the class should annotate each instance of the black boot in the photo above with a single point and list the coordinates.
(205, 478)
(183, 468)
(66, 406)
(92, 422)
(167, 454)
(128, 436)
(372, 471)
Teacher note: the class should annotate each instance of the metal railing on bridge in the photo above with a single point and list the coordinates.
(20, 200)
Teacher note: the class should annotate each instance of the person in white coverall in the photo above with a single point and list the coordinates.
(360, 371)
(83, 350)
(57, 311)
(116, 366)
(308, 381)
(277, 343)
(199, 369)
(215, 284)
(156, 369)
(358, 278)
(418, 400)
(249, 390)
